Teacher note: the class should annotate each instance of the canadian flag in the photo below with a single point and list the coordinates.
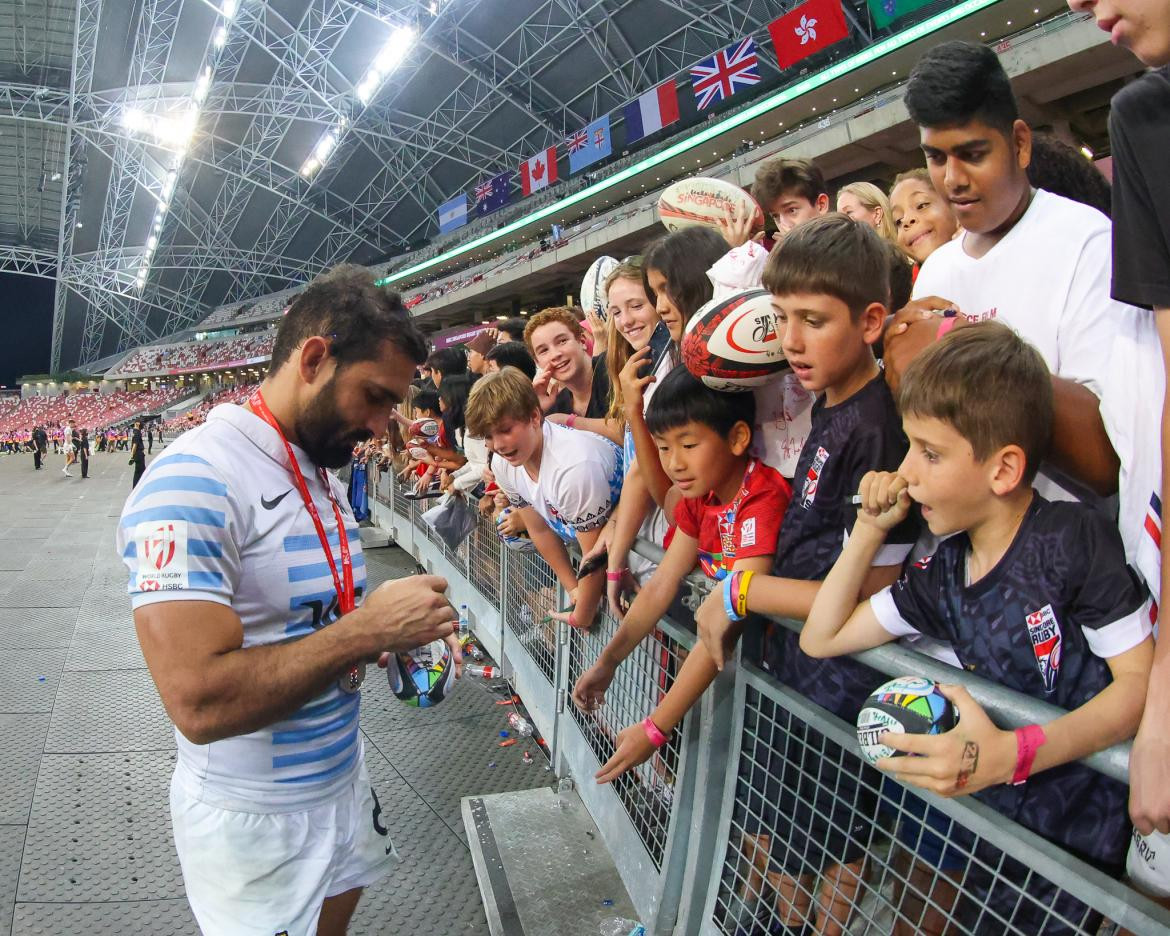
(539, 172)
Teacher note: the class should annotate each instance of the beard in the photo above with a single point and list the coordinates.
(322, 433)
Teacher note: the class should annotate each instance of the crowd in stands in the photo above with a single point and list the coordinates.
(193, 355)
(939, 465)
(197, 415)
(89, 410)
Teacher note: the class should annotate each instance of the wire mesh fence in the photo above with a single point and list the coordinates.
(530, 600)
(484, 567)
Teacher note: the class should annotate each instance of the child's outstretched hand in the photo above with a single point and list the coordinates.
(971, 756)
(633, 748)
(885, 500)
(716, 630)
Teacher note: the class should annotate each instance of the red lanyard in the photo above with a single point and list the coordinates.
(346, 594)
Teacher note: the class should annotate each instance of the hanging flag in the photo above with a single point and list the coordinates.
(807, 29)
(589, 144)
(721, 75)
(539, 172)
(885, 12)
(652, 111)
(453, 213)
(492, 194)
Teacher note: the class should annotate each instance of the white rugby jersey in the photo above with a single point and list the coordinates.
(580, 481)
(219, 518)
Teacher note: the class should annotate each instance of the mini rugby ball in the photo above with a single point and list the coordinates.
(735, 343)
(593, 297)
(519, 543)
(423, 677)
(705, 201)
(907, 705)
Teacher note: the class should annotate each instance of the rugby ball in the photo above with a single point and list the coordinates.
(734, 343)
(906, 705)
(593, 286)
(705, 201)
(423, 677)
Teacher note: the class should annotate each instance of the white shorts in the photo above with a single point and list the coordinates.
(1148, 863)
(264, 874)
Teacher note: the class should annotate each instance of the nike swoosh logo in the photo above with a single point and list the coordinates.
(272, 504)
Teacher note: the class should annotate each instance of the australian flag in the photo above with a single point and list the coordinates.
(493, 193)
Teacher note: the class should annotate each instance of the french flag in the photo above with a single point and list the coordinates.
(651, 112)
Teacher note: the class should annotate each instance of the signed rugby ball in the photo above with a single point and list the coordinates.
(705, 201)
(593, 296)
(735, 343)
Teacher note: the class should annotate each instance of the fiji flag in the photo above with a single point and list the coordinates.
(493, 193)
(589, 145)
(453, 213)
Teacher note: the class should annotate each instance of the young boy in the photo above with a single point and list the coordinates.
(829, 280)
(1032, 594)
(727, 519)
(564, 482)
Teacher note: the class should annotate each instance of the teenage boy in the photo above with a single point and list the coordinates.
(1140, 136)
(1033, 594)
(792, 191)
(573, 387)
(1107, 376)
(563, 482)
(727, 519)
(829, 281)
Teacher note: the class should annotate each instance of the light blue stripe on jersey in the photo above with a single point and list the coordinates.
(181, 483)
(333, 771)
(317, 754)
(312, 541)
(195, 547)
(318, 709)
(319, 569)
(309, 734)
(179, 458)
(201, 515)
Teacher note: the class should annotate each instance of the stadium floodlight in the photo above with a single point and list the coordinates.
(202, 85)
(389, 57)
(311, 165)
(229, 8)
(221, 37)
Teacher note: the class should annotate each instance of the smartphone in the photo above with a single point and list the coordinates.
(593, 564)
(660, 345)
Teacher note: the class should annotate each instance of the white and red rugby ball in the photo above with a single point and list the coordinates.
(593, 295)
(700, 200)
(735, 343)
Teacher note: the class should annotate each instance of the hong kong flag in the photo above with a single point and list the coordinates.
(539, 172)
(808, 29)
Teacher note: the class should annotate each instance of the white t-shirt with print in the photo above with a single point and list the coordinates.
(218, 518)
(1049, 279)
(579, 483)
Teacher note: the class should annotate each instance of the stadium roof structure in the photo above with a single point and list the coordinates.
(162, 157)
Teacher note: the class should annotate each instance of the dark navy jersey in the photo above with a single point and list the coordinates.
(863, 433)
(1042, 622)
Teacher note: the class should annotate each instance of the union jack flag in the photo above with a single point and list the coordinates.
(721, 75)
(483, 190)
(577, 141)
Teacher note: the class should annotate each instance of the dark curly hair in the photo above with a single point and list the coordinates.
(356, 316)
(1061, 169)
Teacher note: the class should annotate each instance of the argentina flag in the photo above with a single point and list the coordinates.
(453, 213)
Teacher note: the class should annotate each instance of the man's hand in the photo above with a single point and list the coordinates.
(885, 500)
(1149, 779)
(737, 231)
(913, 329)
(633, 748)
(589, 692)
(406, 613)
(716, 630)
(971, 756)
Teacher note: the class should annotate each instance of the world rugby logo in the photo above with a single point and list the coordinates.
(160, 546)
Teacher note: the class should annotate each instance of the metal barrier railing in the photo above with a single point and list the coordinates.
(759, 816)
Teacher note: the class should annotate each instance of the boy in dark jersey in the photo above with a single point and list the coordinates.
(830, 284)
(727, 518)
(1032, 594)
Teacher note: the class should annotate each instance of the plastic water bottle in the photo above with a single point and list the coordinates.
(464, 624)
(476, 653)
(487, 672)
(520, 725)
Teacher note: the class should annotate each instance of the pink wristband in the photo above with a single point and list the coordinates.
(571, 420)
(614, 575)
(1028, 741)
(657, 738)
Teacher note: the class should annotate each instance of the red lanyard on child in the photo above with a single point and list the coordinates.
(345, 592)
